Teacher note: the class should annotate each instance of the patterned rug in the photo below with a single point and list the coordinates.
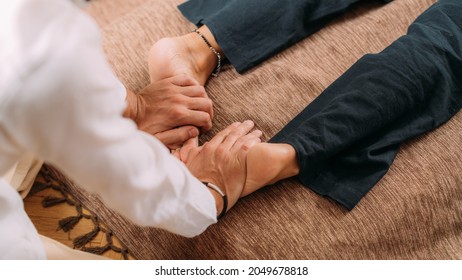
(63, 195)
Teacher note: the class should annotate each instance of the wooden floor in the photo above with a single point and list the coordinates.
(46, 220)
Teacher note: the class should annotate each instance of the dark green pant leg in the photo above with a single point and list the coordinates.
(251, 31)
(348, 137)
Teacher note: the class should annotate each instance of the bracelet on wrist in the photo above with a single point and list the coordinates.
(223, 196)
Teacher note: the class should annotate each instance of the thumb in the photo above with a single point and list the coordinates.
(174, 138)
(187, 147)
(184, 80)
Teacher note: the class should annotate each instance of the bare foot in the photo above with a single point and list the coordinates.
(269, 163)
(187, 54)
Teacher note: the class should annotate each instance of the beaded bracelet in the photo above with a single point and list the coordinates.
(218, 68)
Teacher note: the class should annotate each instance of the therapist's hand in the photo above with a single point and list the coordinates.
(222, 160)
(174, 110)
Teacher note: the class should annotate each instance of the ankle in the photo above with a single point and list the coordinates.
(292, 167)
(205, 60)
(286, 157)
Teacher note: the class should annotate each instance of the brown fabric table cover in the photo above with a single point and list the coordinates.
(414, 212)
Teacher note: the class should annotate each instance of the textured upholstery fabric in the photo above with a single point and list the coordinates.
(414, 212)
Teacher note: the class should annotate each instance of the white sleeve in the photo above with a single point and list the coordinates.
(18, 238)
(68, 111)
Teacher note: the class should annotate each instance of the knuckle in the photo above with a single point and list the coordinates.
(176, 112)
(220, 151)
(207, 148)
(176, 98)
(240, 141)
(201, 91)
(246, 147)
(234, 134)
(182, 135)
(204, 119)
(208, 103)
(186, 78)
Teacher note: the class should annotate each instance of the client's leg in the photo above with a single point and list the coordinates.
(246, 31)
(346, 139)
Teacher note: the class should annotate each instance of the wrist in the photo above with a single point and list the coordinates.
(132, 110)
(221, 200)
(218, 201)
